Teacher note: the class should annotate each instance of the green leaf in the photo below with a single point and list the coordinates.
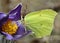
(41, 22)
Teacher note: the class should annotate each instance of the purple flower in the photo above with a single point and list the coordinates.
(11, 21)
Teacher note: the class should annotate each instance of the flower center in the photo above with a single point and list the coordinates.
(9, 27)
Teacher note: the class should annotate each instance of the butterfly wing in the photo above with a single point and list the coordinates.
(41, 22)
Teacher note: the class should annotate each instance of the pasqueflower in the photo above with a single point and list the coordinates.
(11, 26)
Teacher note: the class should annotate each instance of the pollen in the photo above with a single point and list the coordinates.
(9, 27)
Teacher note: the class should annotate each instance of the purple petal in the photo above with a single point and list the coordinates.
(21, 29)
(2, 15)
(21, 32)
(3, 18)
(15, 14)
(8, 36)
(16, 37)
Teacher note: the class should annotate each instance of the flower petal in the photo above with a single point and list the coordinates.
(8, 36)
(3, 18)
(21, 29)
(16, 37)
(15, 14)
(21, 32)
(2, 15)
